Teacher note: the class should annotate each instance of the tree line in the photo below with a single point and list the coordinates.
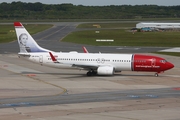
(22, 10)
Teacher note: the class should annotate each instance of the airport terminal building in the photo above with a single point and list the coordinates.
(158, 25)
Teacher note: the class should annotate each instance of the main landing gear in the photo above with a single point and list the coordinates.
(91, 73)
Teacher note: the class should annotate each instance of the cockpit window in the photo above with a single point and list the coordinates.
(163, 61)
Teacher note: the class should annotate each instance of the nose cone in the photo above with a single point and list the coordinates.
(169, 65)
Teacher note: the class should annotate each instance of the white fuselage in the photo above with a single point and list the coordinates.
(118, 61)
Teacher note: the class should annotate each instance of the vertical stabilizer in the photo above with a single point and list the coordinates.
(26, 42)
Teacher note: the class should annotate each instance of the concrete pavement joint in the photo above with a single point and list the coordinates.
(64, 90)
(118, 117)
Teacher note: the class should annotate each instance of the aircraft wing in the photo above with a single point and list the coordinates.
(88, 66)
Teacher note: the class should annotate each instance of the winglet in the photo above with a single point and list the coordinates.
(53, 58)
(85, 50)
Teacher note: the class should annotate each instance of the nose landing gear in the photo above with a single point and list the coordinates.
(156, 74)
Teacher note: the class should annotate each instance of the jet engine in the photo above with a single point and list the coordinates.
(105, 70)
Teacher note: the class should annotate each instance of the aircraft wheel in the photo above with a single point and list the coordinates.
(89, 73)
(156, 74)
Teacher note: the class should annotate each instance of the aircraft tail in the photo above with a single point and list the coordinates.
(26, 43)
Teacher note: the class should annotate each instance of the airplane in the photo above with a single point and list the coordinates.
(94, 63)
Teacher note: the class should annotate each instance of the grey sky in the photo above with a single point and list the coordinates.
(104, 2)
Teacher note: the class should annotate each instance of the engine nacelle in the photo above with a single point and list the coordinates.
(105, 70)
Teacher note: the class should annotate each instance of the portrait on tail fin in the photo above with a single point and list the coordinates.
(26, 42)
(23, 39)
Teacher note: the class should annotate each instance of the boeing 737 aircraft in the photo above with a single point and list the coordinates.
(94, 63)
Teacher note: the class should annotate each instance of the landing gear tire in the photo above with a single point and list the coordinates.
(156, 74)
(91, 73)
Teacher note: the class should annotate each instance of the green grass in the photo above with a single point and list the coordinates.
(108, 25)
(7, 32)
(123, 37)
(87, 20)
(169, 53)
